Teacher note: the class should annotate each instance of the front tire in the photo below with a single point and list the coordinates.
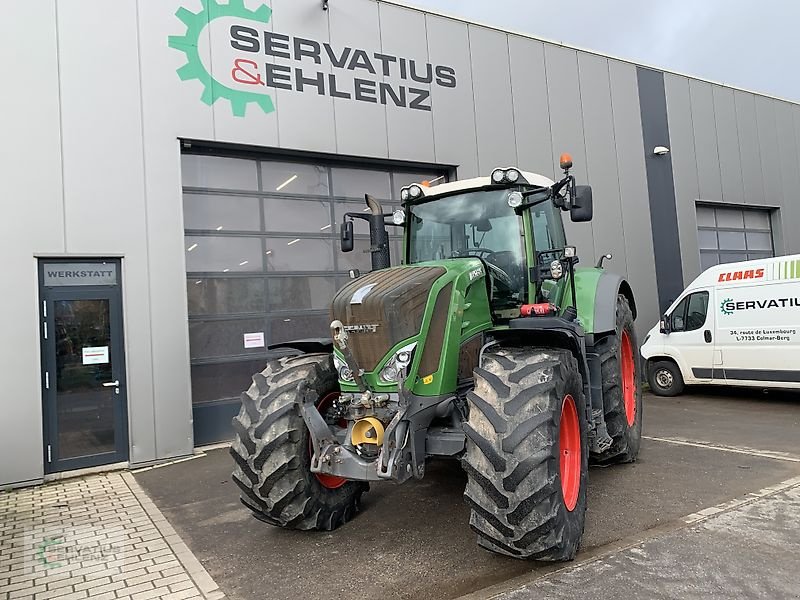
(272, 449)
(622, 389)
(665, 378)
(527, 454)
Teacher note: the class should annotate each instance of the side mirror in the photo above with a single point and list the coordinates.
(664, 325)
(581, 210)
(347, 236)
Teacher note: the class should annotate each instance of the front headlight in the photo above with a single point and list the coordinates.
(398, 364)
(344, 372)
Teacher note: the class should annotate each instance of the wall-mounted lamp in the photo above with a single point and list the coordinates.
(324, 4)
(660, 150)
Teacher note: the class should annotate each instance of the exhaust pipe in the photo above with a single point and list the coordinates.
(378, 236)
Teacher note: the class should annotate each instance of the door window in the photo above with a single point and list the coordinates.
(691, 312)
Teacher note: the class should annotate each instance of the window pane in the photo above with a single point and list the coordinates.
(283, 214)
(294, 178)
(705, 217)
(759, 241)
(220, 213)
(223, 381)
(284, 329)
(707, 239)
(678, 315)
(290, 293)
(708, 260)
(732, 257)
(209, 339)
(222, 254)
(731, 240)
(758, 255)
(757, 219)
(727, 217)
(359, 258)
(354, 183)
(696, 313)
(396, 252)
(217, 172)
(225, 296)
(298, 254)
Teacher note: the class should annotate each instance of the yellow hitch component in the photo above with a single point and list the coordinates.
(367, 431)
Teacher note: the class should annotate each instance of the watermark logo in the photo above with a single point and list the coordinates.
(53, 548)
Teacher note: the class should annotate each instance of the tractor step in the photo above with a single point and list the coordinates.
(601, 441)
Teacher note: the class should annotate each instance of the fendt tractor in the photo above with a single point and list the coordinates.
(487, 345)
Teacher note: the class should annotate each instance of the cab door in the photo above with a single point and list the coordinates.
(691, 338)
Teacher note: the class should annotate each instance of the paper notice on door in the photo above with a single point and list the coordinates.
(96, 355)
(254, 340)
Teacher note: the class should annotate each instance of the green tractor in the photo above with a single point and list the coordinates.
(488, 345)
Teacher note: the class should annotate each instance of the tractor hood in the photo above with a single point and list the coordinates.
(390, 308)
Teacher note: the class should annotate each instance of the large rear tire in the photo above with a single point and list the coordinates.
(527, 454)
(622, 389)
(272, 449)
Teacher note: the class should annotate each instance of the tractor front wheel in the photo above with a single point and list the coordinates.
(527, 454)
(272, 449)
(622, 389)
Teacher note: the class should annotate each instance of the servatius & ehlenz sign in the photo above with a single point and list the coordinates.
(255, 60)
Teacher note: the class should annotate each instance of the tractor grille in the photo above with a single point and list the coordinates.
(393, 300)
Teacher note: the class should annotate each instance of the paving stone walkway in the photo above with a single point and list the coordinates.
(94, 537)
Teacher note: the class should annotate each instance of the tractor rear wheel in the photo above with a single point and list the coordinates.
(272, 449)
(622, 389)
(527, 453)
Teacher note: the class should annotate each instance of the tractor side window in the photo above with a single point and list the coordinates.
(548, 229)
(691, 312)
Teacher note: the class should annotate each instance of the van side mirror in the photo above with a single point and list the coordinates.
(581, 209)
(665, 326)
(347, 236)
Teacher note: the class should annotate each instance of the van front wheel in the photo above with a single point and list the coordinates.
(665, 378)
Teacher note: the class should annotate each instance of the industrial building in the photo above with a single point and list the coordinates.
(175, 173)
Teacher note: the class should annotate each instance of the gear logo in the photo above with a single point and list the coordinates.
(726, 306)
(194, 68)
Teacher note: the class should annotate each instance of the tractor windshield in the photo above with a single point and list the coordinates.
(480, 224)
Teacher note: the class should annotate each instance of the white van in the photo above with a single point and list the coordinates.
(736, 324)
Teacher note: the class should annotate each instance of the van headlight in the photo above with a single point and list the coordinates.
(344, 372)
(398, 364)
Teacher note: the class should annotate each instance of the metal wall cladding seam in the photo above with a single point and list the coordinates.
(92, 123)
(705, 140)
(454, 135)
(360, 126)
(684, 168)
(531, 112)
(661, 187)
(633, 197)
(770, 153)
(31, 165)
(494, 112)
(601, 159)
(730, 163)
(566, 126)
(790, 175)
(305, 118)
(410, 130)
(752, 176)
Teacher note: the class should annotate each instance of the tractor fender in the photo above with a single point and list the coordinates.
(306, 346)
(609, 286)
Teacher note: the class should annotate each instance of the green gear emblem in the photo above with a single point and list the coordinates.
(724, 310)
(194, 69)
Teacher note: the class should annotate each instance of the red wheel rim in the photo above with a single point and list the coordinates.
(628, 368)
(331, 482)
(569, 448)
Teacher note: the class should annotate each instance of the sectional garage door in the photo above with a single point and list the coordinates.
(730, 234)
(263, 261)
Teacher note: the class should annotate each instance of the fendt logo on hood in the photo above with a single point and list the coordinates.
(729, 306)
(249, 60)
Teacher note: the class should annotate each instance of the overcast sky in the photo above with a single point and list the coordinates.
(752, 44)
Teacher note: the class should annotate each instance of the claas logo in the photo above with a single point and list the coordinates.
(737, 275)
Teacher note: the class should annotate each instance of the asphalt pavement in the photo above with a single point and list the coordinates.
(414, 541)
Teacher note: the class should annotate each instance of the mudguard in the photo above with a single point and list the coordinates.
(596, 291)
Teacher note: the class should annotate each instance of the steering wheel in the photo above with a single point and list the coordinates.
(471, 252)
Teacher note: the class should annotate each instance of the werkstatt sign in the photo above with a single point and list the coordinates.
(61, 274)
(248, 68)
